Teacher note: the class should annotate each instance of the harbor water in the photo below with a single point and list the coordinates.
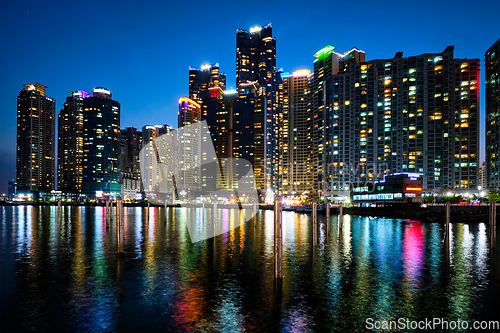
(61, 271)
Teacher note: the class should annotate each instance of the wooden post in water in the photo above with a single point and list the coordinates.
(341, 216)
(314, 215)
(493, 214)
(448, 217)
(119, 221)
(327, 219)
(254, 216)
(493, 223)
(106, 212)
(278, 239)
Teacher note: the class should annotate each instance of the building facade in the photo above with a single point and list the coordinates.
(189, 144)
(12, 189)
(298, 168)
(201, 80)
(101, 145)
(152, 156)
(70, 143)
(256, 66)
(35, 141)
(492, 98)
(130, 171)
(322, 120)
(417, 114)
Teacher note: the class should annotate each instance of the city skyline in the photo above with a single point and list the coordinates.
(138, 108)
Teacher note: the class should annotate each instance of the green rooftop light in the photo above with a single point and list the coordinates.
(324, 51)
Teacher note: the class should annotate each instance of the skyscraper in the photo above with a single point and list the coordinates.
(188, 181)
(70, 143)
(201, 80)
(417, 114)
(101, 144)
(132, 142)
(130, 172)
(12, 189)
(35, 141)
(256, 65)
(151, 157)
(492, 84)
(322, 119)
(298, 169)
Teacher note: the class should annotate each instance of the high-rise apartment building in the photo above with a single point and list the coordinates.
(189, 145)
(35, 141)
(101, 145)
(201, 80)
(482, 177)
(12, 189)
(297, 169)
(152, 156)
(256, 66)
(132, 143)
(70, 143)
(130, 172)
(322, 119)
(492, 85)
(417, 114)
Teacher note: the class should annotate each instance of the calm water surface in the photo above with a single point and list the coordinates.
(60, 271)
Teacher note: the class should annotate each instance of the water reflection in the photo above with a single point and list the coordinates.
(64, 264)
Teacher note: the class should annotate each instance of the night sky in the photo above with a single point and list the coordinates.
(141, 50)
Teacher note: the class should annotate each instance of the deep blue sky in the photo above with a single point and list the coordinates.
(141, 50)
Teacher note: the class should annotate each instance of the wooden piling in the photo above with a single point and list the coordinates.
(119, 221)
(314, 215)
(254, 216)
(493, 214)
(341, 216)
(327, 219)
(278, 239)
(448, 217)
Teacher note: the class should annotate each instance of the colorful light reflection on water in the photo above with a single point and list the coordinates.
(60, 271)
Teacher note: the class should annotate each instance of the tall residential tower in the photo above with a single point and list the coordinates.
(70, 143)
(101, 144)
(256, 66)
(492, 84)
(35, 141)
(417, 114)
(298, 169)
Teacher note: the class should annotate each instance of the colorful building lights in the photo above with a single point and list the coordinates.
(324, 51)
(413, 189)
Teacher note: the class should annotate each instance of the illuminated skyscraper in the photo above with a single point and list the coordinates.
(70, 143)
(322, 119)
(130, 172)
(35, 141)
(298, 170)
(188, 181)
(201, 80)
(101, 145)
(492, 84)
(132, 144)
(417, 114)
(149, 164)
(256, 65)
